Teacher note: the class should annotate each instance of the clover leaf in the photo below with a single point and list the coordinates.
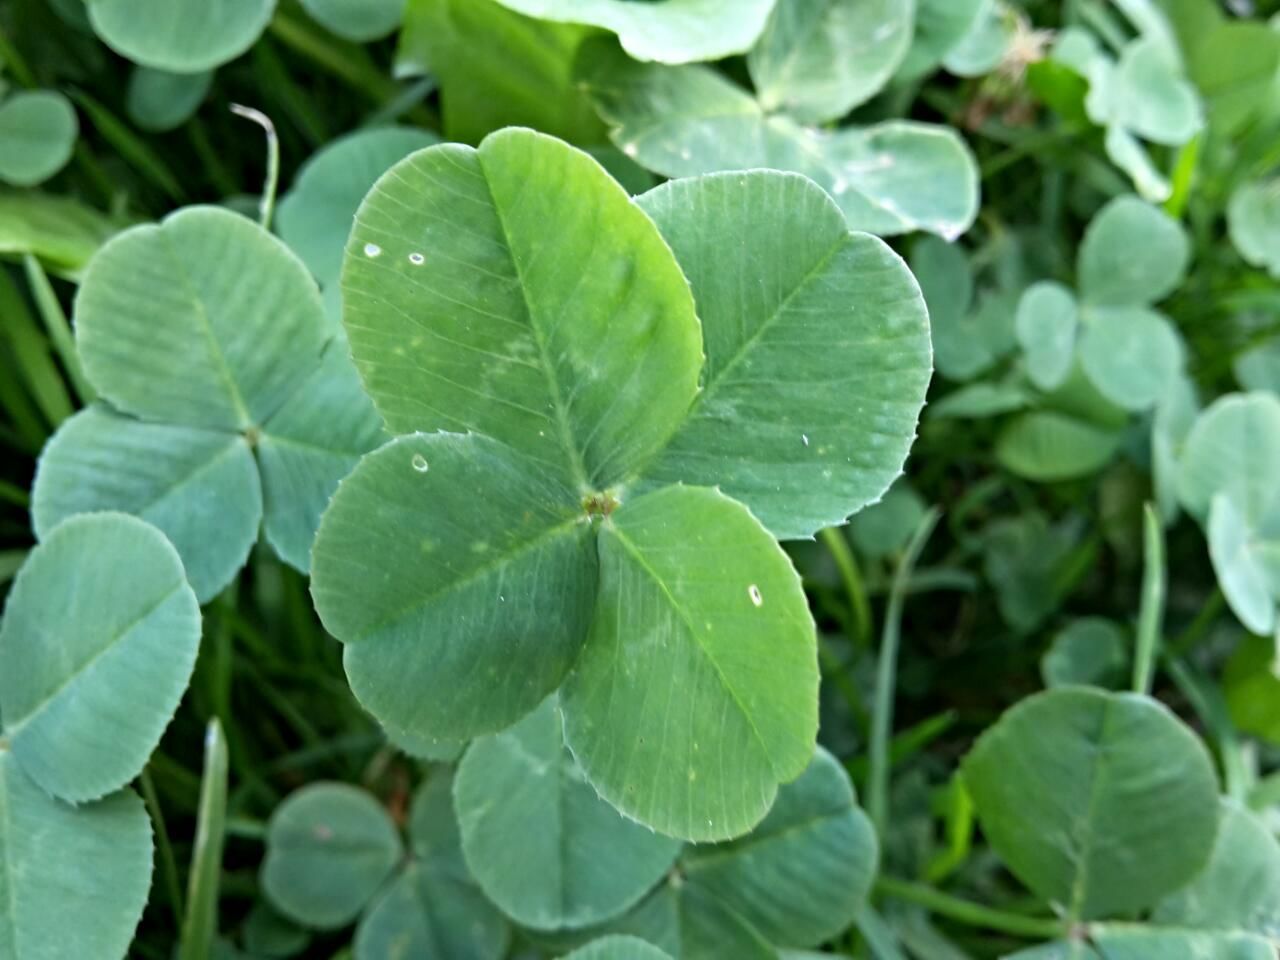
(540, 841)
(470, 575)
(206, 339)
(890, 178)
(334, 854)
(89, 680)
(669, 31)
(46, 850)
(1066, 795)
(38, 129)
(182, 36)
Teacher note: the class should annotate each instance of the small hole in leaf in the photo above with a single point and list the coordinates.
(754, 593)
(420, 463)
(372, 250)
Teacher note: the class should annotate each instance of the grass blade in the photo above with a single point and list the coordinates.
(201, 925)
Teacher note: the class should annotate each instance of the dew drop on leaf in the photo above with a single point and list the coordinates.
(417, 259)
(420, 463)
(372, 250)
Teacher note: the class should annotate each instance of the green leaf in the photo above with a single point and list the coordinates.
(1133, 254)
(1239, 889)
(1253, 219)
(182, 36)
(357, 20)
(687, 922)
(817, 61)
(314, 440)
(1175, 414)
(204, 319)
(1137, 942)
(61, 231)
(314, 217)
(618, 947)
(1234, 64)
(497, 68)
(1252, 688)
(1066, 794)
(801, 875)
(460, 578)
(982, 400)
(1150, 97)
(199, 487)
(38, 129)
(55, 905)
(1233, 448)
(157, 100)
(330, 847)
(91, 676)
(1246, 562)
(516, 291)
(540, 841)
(1048, 446)
(425, 915)
(669, 31)
(885, 527)
(433, 908)
(960, 349)
(700, 607)
(1047, 320)
(982, 49)
(940, 27)
(891, 178)
(1091, 651)
(1132, 354)
(836, 331)
(1023, 560)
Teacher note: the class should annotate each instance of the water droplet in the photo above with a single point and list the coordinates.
(420, 463)
(629, 149)
(754, 593)
(805, 438)
(372, 250)
(417, 259)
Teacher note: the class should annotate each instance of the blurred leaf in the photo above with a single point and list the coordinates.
(1066, 795)
(38, 129)
(330, 847)
(1091, 651)
(817, 61)
(540, 841)
(157, 100)
(182, 36)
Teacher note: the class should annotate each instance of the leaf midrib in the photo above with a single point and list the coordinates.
(472, 575)
(1080, 888)
(708, 391)
(25, 720)
(577, 465)
(206, 327)
(634, 551)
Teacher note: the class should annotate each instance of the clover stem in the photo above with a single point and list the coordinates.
(837, 542)
(1151, 612)
(969, 913)
(268, 203)
(886, 677)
